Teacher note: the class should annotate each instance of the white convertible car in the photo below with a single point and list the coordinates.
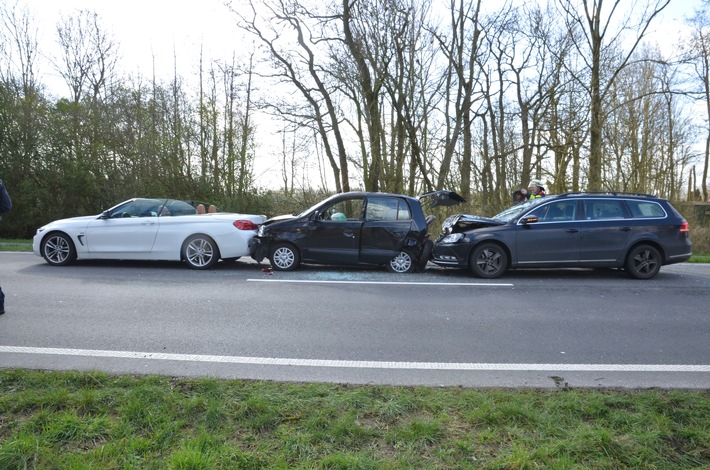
(149, 229)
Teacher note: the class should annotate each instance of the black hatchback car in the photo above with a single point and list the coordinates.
(636, 232)
(355, 228)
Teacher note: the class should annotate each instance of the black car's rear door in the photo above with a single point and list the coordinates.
(605, 231)
(388, 222)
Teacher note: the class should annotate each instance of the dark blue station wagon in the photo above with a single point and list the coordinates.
(639, 233)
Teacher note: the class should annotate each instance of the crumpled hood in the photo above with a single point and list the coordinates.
(464, 222)
(279, 218)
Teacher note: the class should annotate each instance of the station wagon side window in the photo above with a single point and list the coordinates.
(562, 211)
(645, 209)
(341, 211)
(390, 208)
(604, 209)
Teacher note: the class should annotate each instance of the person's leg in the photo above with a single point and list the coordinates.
(2, 301)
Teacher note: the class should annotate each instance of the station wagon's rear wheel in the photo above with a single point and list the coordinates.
(200, 252)
(58, 249)
(285, 257)
(489, 261)
(643, 262)
(403, 263)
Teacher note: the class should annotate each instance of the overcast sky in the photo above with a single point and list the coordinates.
(148, 30)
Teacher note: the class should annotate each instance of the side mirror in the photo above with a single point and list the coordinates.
(105, 215)
(531, 219)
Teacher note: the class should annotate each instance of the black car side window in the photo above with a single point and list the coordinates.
(563, 211)
(604, 209)
(341, 211)
(387, 209)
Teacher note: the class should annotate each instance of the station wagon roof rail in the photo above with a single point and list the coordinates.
(603, 193)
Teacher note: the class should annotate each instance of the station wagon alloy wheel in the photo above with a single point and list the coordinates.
(489, 261)
(643, 262)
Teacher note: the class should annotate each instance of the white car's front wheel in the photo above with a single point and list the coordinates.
(58, 249)
(200, 252)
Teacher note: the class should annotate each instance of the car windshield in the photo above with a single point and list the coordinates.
(517, 210)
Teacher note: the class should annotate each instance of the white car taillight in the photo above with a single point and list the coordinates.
(245, 225)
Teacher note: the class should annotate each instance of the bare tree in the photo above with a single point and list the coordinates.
(89, 55)
(698, 55)
(297, 64)
(597, 28)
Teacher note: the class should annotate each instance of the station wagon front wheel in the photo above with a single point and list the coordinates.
(489, 261)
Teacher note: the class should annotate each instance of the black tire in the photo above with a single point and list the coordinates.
(489, 261)
(643, 262)
(285, 257)
(425, 254)
(200, 252)
(403, 263)
(58, 249)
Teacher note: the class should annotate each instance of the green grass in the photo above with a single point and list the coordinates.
(15, 245)
(57, 420)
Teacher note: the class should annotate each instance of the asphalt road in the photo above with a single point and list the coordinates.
(544, 328)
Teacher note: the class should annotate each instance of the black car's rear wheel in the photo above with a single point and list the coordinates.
(285, 257)
(643, 262)
(403, 263)
(200, 252)
(489, 261)
(58, 249)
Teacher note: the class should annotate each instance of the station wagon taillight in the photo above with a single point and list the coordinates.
(245, 225)
(684, 227)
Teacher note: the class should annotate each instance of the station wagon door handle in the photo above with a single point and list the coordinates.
(349, 234)
(572, 230)
(625, 229)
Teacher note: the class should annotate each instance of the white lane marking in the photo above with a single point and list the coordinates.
(408, 283)
(275, 361)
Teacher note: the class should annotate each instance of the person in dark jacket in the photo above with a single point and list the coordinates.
(5, 205)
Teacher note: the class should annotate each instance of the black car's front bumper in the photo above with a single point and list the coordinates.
(451, 255)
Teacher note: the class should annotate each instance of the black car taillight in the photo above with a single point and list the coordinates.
(684, 227)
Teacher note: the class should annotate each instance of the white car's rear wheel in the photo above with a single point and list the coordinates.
(200, 252)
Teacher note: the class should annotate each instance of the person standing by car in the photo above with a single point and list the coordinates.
(5, 205)
(536, 189)
(520, 195)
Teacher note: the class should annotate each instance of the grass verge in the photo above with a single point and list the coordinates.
(94, 420)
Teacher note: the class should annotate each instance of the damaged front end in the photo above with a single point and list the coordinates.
(453, 244)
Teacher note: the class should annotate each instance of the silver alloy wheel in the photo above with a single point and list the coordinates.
(200, 253)
(402, 263)
(489, 261)
(58, 250)
(283, 258)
